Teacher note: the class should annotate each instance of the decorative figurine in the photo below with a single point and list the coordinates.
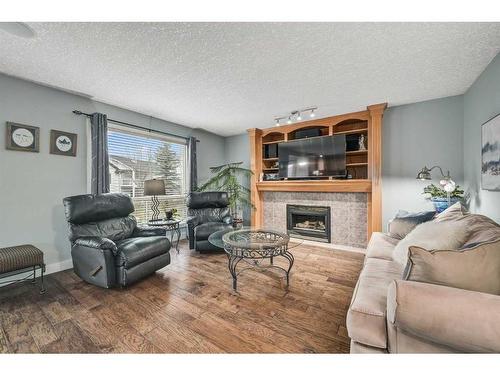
(362, 143)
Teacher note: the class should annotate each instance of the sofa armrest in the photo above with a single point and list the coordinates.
(149, 232)
(97, 243)
(460, 319)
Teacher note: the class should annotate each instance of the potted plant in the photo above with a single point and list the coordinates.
(439, 197)
(170, 214)
(229, 178)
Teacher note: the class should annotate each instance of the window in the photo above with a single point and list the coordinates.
(136, 156)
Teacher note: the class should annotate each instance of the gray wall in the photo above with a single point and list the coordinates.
(32, 185)
(481, 102)
(237, 148)
(414, 135)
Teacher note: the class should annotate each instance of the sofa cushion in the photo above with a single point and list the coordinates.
(366, 318)
(380, 246)
(404, 222)
(203, 231)
(476, 268)
(136, 250)
(454, 212)
(433, 236)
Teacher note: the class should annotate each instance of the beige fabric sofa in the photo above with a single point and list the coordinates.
(391, 315)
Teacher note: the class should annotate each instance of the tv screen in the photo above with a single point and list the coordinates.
(313, 157)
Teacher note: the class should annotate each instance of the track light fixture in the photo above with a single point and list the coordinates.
(295, 115)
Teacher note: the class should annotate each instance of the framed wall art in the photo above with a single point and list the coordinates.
(490, 154)
(63, 143)
(20, 137)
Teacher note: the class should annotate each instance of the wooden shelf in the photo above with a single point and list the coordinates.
(270, 159)
(272, 142)
(356, 164)
(354, 131)
(270, 169)
(355, 152)
(342, 186)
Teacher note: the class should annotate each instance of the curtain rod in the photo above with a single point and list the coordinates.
(77, 112)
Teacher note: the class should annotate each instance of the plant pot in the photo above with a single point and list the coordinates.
(441, 204)
(169, 215)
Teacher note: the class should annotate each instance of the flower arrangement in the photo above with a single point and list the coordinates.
(438, 192)
(439, 197)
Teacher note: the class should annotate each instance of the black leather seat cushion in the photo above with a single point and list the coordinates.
(136, 250)
(203, 231)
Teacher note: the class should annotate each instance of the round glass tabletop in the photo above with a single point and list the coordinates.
(240, 237)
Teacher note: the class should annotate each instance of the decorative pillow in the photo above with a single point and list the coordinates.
(432, 235)
(404, 222)
(476, 268)
(454, 212)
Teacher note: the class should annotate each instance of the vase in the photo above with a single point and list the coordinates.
(441, 204)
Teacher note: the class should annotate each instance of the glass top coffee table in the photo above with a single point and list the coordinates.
(253, 246)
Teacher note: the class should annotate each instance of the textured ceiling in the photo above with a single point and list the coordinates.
(227, 77)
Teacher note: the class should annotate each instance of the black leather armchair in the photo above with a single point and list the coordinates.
(107, 247)
(208, 212)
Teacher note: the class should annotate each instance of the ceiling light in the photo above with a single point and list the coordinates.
(312, 114)
(277, 121)
(299, 117)
(289, 121)
(19, 29)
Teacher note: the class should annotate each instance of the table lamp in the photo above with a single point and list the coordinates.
(446, 182)
(154, 188)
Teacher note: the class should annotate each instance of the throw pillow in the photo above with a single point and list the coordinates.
(476, 269)
(404, 222)
(432, 235)
(454, 212)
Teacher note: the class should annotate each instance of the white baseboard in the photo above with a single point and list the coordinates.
(59, 266)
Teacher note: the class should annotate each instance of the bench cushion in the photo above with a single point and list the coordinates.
(19, 257)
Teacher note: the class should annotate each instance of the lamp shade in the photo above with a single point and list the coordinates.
(154, 187)
(424, 174)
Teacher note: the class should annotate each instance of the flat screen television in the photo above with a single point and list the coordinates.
(313, 157)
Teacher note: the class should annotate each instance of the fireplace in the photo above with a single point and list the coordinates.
(308, 222)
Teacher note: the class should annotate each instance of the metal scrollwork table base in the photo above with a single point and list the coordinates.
(253, 247)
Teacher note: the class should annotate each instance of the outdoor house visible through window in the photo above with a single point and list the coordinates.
(138, 155)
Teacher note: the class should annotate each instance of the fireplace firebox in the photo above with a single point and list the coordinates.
(308, 222)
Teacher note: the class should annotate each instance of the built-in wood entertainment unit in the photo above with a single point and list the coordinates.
(363, 166)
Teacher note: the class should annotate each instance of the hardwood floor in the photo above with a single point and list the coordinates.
(188, 307)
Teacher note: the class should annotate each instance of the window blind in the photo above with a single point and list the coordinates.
(136, 156)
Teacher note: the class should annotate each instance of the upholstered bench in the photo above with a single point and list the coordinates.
(19, 259)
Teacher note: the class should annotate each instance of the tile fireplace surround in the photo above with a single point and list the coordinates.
(349, 213)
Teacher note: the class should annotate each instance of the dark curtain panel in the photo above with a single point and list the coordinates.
(100, 160)
(193, 168)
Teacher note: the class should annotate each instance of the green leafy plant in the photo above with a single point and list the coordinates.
(229, 177)
(437, 192)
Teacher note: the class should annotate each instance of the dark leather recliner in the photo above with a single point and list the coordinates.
(208, 212)
(107, 246)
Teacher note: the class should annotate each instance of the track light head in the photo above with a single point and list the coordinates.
(277, 121)
(312, 114)
(299, 117)
(289, 121)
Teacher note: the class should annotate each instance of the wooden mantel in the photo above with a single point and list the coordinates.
(368, 121)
